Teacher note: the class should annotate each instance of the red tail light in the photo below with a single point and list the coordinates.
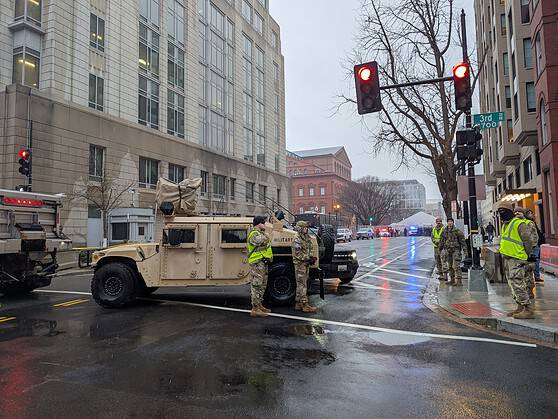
(23, 202)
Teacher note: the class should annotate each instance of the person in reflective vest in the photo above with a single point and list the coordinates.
(516, 245)
(436, 235)
(260, 255)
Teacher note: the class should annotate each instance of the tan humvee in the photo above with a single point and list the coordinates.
(194, 251)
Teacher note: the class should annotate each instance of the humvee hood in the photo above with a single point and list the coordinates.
(134, 251)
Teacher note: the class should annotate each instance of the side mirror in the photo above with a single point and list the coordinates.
(167, 208)
(280, 215)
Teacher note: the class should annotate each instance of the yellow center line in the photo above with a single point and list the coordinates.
(6, 319)
(69, 303)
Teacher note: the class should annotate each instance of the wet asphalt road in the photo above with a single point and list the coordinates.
(171, 358)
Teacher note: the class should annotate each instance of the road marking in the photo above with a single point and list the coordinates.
(364, 285)
(70, 303)
(384, 278)
(390, 250)
(329, 322)
(6, 319)
(404, 273)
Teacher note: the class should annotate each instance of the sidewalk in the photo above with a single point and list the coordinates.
(490, 309)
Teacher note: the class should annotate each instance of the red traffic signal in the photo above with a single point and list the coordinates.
(462, 86)
(367, 85)
(24, 154)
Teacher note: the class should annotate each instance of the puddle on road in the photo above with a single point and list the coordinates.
(28, 327)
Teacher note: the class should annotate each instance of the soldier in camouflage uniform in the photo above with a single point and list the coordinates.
(516, 245)
(259, 255)
(452, 244)
(302, 258)
(521, 213)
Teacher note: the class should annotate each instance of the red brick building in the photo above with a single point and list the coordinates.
(318, 177)
(544, 36)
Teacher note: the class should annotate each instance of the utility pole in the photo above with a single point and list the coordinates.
(477, 282)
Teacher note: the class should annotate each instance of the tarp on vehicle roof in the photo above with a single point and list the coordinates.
(183, 195)
(420, 219)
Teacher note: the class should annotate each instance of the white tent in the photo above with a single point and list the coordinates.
(420, 219)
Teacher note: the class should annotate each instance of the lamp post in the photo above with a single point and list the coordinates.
(337, 207)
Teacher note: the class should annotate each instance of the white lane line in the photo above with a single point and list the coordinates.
(391, 250)
(363, 285)
(330, 322)
(385, 278)
(403, 273)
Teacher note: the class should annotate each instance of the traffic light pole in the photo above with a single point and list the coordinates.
(477, 282)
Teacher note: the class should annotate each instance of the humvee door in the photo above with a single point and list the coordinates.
(227, 251)
(184, 252)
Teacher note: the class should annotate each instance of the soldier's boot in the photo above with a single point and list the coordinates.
(450, 281)
(257, 312)
(458, 282)
(307, 308)
(527, 313)
(532, 292)
(518, 310)
(265, 310)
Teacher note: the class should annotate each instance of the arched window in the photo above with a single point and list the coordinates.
(544, 121)
(538, 53)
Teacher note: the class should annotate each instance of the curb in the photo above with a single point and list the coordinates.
(491, 324)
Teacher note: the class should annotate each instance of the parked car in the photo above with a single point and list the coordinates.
(344, 234)
(364, 234)
(384, 231)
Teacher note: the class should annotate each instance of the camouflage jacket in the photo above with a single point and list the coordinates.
(452, 239)
(302, 248)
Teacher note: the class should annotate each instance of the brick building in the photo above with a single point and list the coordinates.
(544, 33)
(318, 176)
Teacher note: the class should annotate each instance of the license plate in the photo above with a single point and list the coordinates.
(342, 268)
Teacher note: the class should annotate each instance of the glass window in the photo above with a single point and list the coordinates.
(148, 173)
(506, 61)
(234, 236)
(28, 10)
(148, 103)
(503, 24)
(205, 180)
(217, 52)
(119, 231)
(219, 188)
(232, 189)
(96, 32)
(175, 114)
(148, 50)
(149, 11)
(26, 67)
(517, 177)
(263, 3)
(515, 106)
(525, 14)
(96, 161)
(260, 144)
(531, 99)
(249, 144)
(246, 11)
(322, 190)
(96, 88)
(260, 117)
(175, 21)
(527, 53)
(276, 72)
(311, 191)
(247, 110)
(217, 92)
(250, 191)
(507, 89)
(263, 193)
(513, 64)
(202, 124)
(217, 132)
(276, 163)
(176, 173)
(300, 191)
(544, 121)
(258, 23)
(274, 40)
(510, 131)
(538, 53)
(527, 169)
(175, 67)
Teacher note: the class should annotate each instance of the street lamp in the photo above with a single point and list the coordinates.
(337, 207)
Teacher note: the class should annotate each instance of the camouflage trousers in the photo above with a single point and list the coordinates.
(451, 260)
(438, 259)
(518, 274)
(258, 279)
(301, 272)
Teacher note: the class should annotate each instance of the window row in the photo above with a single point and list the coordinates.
(313, 208)
(311, 190)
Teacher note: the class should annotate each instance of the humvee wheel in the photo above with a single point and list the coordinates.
(281, 284)
(114, 285)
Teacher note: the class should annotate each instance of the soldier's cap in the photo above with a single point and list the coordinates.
(259, 219)
(302, 224)
(521, 210)
(451, 219)
(505, 205)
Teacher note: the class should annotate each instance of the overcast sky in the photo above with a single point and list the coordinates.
(316, 36)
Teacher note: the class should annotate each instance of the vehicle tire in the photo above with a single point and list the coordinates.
(16, 288)
(114, 285)
(281, 284)
(327, 236)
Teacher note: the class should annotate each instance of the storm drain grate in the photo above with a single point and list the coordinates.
(476, 309)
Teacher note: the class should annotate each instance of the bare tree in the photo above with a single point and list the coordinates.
(370, 197)
(104, 194)
(412, 40)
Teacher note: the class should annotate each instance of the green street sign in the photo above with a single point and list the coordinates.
(488, 120)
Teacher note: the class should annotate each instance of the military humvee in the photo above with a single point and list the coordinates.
(199, 251)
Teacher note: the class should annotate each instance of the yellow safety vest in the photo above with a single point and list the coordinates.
(510, 243)
(437, 235)
(257, 253)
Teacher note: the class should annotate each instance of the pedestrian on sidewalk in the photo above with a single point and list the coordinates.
(521, 213)
(436, 235)
(260, 255)
(302, 258)
(516, 245)
(537, 249)
(490, 232)
(452, 246)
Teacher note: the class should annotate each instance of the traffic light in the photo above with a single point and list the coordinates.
(469, 144)
(24, 162)
(367, 83)
(462, 86)
(370, 220)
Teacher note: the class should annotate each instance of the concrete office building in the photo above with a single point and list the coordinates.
(136, 90)
(507, 84)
